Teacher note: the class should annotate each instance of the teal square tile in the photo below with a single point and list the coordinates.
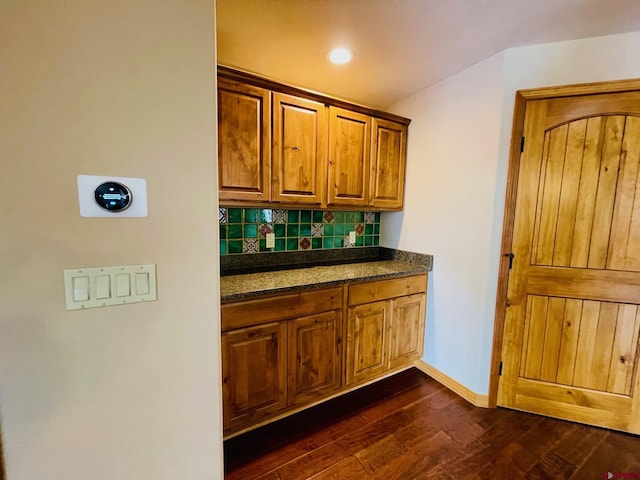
(251, 230)
(329, 229)
(368, 240)
(327, 242)
(250, 215)
(318, 216)
(235, 246)
(359, 241)
(292, 230)
(234, 215)
(280, 245)
(377, 220)
(338, 242)
(359, 217)
(352, 217)
(280, 230)
(305, 230)
(263, 245)
(292, 244)
(223, 231)
(293, 216)
(339, 217)
(376, 240)
(316, 243)
(265, 215)
(305, 216)
(234, 232)
(223, 247)
(368, 228)
(339, 230)
(376, 228)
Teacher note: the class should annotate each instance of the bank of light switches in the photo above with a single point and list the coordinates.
(104, 286)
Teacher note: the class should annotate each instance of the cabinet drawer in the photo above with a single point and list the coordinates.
(384, 289)
(281, 307)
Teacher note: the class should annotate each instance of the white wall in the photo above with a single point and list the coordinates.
(125, 392)
(457, 156)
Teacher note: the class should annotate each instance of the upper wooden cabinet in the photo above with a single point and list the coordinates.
(388, 166)
(349, 153)
(299, 150)
(291, 147)
(244, 142)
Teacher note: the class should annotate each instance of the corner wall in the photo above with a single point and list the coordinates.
(457, 154)
(124, 392)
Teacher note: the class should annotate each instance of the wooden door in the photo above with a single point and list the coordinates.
(349, 150)
(406, 341)
(244, 142)
(299, 150)
(571, 329)
(254, 373)
(366, 343)
(388, 164)
(314, 356)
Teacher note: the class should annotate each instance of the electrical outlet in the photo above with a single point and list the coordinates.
(271, 240)
(352, 238)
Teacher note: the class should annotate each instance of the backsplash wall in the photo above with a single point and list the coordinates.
(243, 230)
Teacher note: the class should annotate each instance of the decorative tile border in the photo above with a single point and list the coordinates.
(244, 230)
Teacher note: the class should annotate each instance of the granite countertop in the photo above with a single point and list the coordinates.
(249, 285)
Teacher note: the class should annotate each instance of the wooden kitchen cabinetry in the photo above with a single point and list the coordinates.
(244, 142)
(287, 147)
(279, 352)
(385, 326)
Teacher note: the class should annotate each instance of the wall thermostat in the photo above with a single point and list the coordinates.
(113, 196)
(101, 196)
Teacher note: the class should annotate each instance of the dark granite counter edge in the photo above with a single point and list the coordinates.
(324, 284)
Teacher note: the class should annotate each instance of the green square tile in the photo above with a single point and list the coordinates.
(292, 244)
(234, 215)
(250, 215)
(368, 228)
(305, 229)
(368, 240)
(293, 216)
(280, 230)
(223, 247)
(263, 245)
(376, 240)
(359, 217)
(305, 216)
(338, 242)
(316, 243)
(327, 242)
(377, 220)
(339, 230)
(280, 245)
(318, 216)
(235, 246)
(265, 215)
(339, 217)
(292, 230)
(329, 228)
(223, 231)
(251, 230)
(352, 217)
(234, 232)
(376, 228)
(359, 241)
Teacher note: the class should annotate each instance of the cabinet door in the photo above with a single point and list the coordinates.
(406, 341)
(388, 164)
(366, 343)
(254, 373)
(349, 150)
(299, 150)
(314, 356)
(244, 142)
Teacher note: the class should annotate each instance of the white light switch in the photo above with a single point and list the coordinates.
(103, 286)
(352, 237)
(271, 240)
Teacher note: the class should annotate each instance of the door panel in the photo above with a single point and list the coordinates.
(572, 321)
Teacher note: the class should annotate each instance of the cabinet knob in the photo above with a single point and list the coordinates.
(294, 149)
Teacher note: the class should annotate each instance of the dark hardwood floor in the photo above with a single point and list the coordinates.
(410, 427)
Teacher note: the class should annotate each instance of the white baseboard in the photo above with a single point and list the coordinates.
(479, 400)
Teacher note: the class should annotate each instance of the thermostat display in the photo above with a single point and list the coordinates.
(113, 196)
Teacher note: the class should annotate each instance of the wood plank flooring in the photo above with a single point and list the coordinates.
(410, 427)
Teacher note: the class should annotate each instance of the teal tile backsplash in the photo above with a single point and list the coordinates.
(244, 230)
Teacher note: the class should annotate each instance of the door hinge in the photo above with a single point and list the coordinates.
(511, 257)
(500, 369)
(522, 145)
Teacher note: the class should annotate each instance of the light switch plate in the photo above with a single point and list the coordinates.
(352, 238)
(103, 286)
(271, 240)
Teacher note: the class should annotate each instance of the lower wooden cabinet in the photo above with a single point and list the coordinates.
(282, 353)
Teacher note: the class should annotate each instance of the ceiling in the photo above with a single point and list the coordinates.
(401, 46)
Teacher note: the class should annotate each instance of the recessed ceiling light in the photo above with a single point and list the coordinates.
(340, 55)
